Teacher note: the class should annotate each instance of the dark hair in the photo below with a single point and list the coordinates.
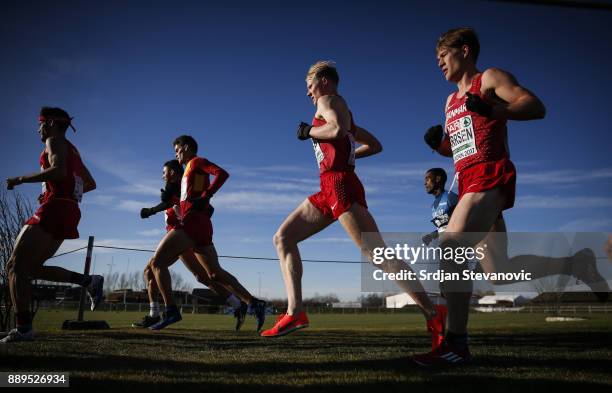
(187, 140)
(60, 116)
(439, 172)
(456, 38)
(175, 166)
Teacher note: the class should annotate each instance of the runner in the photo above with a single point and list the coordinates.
(444, 202)
(341, 198)
(475, 135)
(195, 233)
(65, 178)
(172, 173)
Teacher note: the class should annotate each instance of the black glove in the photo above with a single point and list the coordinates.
(303, 131)
(145, 212)
(210, 210)
(200, 203)
(170, 190)
(475, 104)
(433, 136)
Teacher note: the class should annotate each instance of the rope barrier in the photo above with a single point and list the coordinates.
(243, 257)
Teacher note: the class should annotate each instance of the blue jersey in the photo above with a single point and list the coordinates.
(442, 208)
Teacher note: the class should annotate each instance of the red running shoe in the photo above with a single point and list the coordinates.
(436, 326)
(444, 355)
(286, 324)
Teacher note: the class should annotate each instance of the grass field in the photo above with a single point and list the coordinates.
(338, 353)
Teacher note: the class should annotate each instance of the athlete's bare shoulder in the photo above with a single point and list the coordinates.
(494, 77)
(331, 103)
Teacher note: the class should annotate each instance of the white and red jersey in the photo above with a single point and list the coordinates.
(196, 182)
(71, 186)
(474, 138)
(336, 155)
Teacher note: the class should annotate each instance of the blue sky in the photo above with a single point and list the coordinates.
(232, 75)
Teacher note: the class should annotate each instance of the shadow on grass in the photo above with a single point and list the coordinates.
(126, 360)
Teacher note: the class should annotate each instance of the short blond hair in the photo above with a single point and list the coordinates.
(323, 69)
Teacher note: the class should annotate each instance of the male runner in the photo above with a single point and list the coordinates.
(172, 174)
(65, 178)
(195, 233)
(341, 198)
(475, 135)
(444, 202)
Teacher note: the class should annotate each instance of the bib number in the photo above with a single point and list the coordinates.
(462, 138)
(318, 152)
(78, 188)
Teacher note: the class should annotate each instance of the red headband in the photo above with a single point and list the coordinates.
(42, 119)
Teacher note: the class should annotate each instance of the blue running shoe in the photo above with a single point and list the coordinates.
(169, 318)
(240, 313)
(258, 308)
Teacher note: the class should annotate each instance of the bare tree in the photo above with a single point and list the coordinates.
(14, 211)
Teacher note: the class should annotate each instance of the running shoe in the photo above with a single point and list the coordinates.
(95, 290)
(436, 326)
(240, 313)
(444, 355)
(168, 319)
(258, 309)
(14, 336)
(147, 321)
(286, 324)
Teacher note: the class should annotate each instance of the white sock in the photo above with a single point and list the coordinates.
(233, 301)
(154, 309)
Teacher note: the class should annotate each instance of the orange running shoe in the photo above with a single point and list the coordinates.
(286, 324)
(437, 325)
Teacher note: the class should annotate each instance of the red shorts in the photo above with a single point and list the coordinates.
(198, 227)
(487, 176)
(58, 217)
(339, 190)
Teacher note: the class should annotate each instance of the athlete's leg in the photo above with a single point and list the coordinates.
(33, 247)
(199, 272)
(358, 220)
(474, 216)
(580, 265)
(170, 247)
(207, 258)
(149, 277)
(303, 222)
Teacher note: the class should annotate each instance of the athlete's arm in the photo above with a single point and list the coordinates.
(146, 212)
(337, 118)
(56, 151)
(89, 184)
(515, 102)
(369, 144)
(219, 173)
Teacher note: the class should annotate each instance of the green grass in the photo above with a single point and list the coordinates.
(339, 352)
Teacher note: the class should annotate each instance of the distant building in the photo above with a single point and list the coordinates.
(346, 305)
(402, 300)
(503, 300)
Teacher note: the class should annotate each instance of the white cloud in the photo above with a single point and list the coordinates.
(587, 225)
(152, 232)
(258, 201)
(561, 202)
(563, 176)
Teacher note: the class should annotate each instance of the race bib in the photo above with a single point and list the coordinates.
(184, 188)
(351, 158)
(77, 193)
(462, 139)
(318, 152)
